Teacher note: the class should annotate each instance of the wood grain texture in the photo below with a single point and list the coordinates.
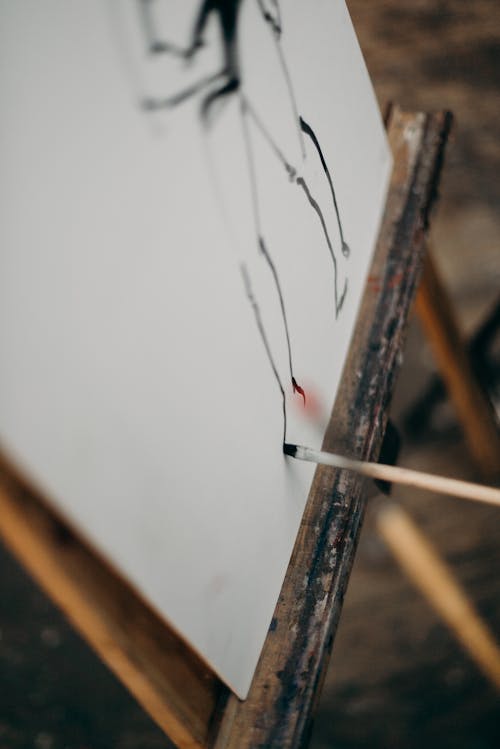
(167, 679)
(280, 705)
(170, 682)
(472, 406)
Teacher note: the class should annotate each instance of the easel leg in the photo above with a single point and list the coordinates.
(473, 409)
(432, 576)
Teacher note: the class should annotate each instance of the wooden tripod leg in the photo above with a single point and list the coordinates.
(432, 576)
(473, 409)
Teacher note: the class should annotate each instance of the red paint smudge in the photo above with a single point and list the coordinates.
(396, 280)
(298, 389)
(313, 409)
(374, 283)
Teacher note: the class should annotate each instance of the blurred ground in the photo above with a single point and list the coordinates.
(397, 679)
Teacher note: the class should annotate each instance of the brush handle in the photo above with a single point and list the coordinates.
(397, 475)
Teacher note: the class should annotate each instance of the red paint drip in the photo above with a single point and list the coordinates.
(298, 389)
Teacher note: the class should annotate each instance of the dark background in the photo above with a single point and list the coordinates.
(397, 678)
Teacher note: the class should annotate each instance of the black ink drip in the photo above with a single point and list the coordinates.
(314, 204)
(290, 170)
(307, 129)
(260, 326)
(273, 21)
(300, 181)
(277, 29)
(244, 109)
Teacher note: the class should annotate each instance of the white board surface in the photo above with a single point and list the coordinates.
(140, 251)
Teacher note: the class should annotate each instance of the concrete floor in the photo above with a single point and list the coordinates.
(397, 678)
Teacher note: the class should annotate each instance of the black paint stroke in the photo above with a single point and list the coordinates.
(170, 102)
(260, 239)
(154, 45)
(315, 206)
(273, 21)
(277, 29)
(260, 326)
(307, 129)
(227, 12)
(291, 171)
(300, 181)
(267, 256)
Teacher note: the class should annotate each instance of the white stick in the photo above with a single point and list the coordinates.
(440, 484)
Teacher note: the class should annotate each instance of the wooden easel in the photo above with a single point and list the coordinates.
(172, 684)
(475, 413)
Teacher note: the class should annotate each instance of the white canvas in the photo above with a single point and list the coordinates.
(135, 268)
